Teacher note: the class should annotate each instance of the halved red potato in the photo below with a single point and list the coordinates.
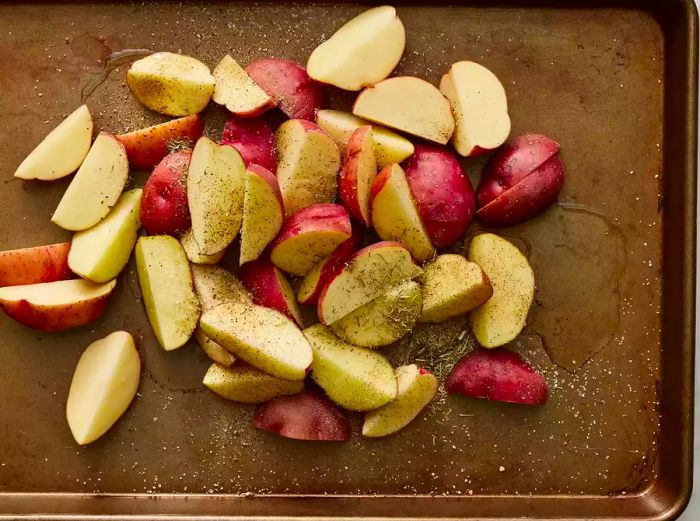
(309, 236)
(35, 265)
(146, 147)
(270, 288)
(358, 173)
(254, 139)
(288, 84)
(234, 89)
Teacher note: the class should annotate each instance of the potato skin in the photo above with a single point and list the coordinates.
(443, 194)
(58, 318)
(164, 209)
(254, 139)
(520, 181)
(288, 84)
(35, 265)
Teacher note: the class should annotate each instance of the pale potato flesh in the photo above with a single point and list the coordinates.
(479, 106)
(451, 287)
(62, 151)
(378, 269)
(355, 378)
(362, 52)
(261, 336)
(194, 255)
(172, 84)
(104, 383)
(298, 255)
(96, 186)
(213, 350)
(384, 320)
(101, 252)
(389, 146)
(246, 384)
(366, 173)
(263, 217)
(215, 193)
(408, 104)
(166, 285)
(501, 319)
(308, 166)
(309, 283)
(395, 216)
(57, 294)
(236, 90)
(415, 391)
(213, 286)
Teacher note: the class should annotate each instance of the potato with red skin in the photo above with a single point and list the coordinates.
(309, 236)
(497, 374)
(164, 209)
(442, 192)
(308, 416)
(56, 306)
(270, 287)
(357, 174)
(254, 139)
(320, 275)
(288, 84)
(145, 148)
(35, 265)
(520, 181)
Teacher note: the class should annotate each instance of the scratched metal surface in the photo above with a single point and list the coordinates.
(594, 331)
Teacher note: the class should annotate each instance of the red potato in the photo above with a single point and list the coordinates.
(358, 173)
(308, 416)
(520, 181)
(443, 194)
(309, 236)
(320, 275)
(164, 209)
(497, 374)
(270, 288)
(254, 139)
(288, 84)
(35, 265)
(146, 147)
(56, 306)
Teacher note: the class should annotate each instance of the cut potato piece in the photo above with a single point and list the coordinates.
(479, 107)
(355, 378)
(96, 186)
(55, 306)
(309, 236)
(384, 320)
(194, 255)
(172, 84)
(246, 384)
(503, 316)
(389, 146)
(62, 151)
(452, 286)
(368, 273)
(362, 52)
(270, 288)
(417, 387)
(104, 383)
(237, 91)
(261, 336)
(263, 213)
(35, 265)
(214, 286)
(394, 213)
(408, 104)
(358, 172)
(213, 350)
(166, 284)
(308, 165)
(101, 252)
(215, 193)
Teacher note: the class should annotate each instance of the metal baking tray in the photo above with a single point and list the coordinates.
(615, 82)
